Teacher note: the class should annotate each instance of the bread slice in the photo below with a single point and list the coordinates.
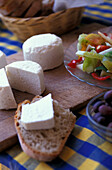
(47, 6)
(9, 6)
(45, 145)
(19, 12)
(35, 7)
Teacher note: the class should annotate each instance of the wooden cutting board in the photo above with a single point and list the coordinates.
(67, 90)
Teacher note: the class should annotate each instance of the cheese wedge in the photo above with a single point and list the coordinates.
(3, 61)
(38, 115)
(7, 100)
(26, 76)
(45, 49)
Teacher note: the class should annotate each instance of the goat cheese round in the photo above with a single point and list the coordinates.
(45, 49)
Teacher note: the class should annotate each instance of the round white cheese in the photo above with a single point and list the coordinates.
(45, 49)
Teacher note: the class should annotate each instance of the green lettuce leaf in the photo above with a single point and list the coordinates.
(108, 55)
(90, 64)
(91, 54)
(107, 61)
(92, 58)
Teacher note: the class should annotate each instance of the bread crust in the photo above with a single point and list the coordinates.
(47, 7)
(41, 156)
(26, 8)
(36, 6)
(22, 8)
(10, 6)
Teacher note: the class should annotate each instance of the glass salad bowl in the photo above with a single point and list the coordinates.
(104, 131)
(79, 74)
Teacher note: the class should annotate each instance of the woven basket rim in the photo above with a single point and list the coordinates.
(39, 17)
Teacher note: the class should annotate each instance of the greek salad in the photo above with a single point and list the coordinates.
(94, 53)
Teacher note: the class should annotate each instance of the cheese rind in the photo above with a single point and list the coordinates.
(38, 115)
(3, 61)
(45, 49)
(26, 76)
(7, 100)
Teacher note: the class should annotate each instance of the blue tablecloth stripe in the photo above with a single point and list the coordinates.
(5, 30)
(7, 51)
(59, 164)
(109, 3)
(11, 42)
(83, 122)
(9, 162)
(99, 17)
(100, 9)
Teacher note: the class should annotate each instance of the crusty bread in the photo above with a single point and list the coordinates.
(47, 6)
(23, 7)
(45, 145)
(35, 7)
(26, 8)
(3, 2)
(8, 7)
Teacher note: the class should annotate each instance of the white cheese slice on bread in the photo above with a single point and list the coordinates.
(26, 76)
(38, 115)
(45, 144)
(45, 49)
(3, 61)
(7, 100)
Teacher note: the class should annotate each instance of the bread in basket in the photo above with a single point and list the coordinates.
(57, 23)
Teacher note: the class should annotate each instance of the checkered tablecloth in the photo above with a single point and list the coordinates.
(84, 150)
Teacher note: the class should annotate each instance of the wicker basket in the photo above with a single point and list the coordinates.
(57, 23)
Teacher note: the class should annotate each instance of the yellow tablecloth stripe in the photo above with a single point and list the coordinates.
(22, 158)
(88, 165)
(43, 166)
(3, 167)
(66, 153)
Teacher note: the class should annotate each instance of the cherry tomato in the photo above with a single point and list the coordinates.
(100, 48)
(72, 64)
(95, 76)
(105, 34)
